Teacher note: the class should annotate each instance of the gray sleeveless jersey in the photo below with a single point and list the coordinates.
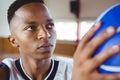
(59, 70)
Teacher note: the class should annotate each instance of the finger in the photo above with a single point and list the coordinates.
(102, 57)
(94, 43)
(98, 76)
(84, 41)
(110, 77)
(89, 34)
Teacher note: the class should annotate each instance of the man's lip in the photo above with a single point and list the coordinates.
(45, 45)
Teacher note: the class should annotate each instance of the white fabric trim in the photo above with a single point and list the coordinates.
(50, 70)
(23, 69)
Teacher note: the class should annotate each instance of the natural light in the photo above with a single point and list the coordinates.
(68, 30)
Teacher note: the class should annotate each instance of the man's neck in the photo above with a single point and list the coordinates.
(36, 69)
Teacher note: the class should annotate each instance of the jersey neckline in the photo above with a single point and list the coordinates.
(50, 74)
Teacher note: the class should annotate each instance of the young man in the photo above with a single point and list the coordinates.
(33, 32)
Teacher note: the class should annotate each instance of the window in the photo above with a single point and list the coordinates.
(67, 30)
(85, 26)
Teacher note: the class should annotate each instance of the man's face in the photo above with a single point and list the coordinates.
(32, 30)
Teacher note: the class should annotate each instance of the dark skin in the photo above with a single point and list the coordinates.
(32, 31)
(3, 73)
(85, 66)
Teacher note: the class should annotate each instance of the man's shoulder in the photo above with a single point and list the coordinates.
(64, 69)
(8, 61)
(4, 71)
(65, 62)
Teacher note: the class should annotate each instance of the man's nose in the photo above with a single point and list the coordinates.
(43, 33)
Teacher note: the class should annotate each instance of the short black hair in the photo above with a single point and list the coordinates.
(16, 5)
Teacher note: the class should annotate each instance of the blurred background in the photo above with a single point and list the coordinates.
(73, 18)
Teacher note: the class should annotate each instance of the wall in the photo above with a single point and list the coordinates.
(90, 9)
(62, 48)
(4, 29)
(60, 9)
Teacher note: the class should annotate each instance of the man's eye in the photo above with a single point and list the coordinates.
(50, 26)
(31, 28)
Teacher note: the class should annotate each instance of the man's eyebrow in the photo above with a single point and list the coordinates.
(34, 22)
(31, 22)
(50, 20)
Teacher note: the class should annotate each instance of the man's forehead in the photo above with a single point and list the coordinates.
(18, 4)
(31, 13)
(32, 10)
(32, 7)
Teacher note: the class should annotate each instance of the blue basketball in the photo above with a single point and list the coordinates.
(111, 17)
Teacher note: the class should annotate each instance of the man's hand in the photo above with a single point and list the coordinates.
(85, 66)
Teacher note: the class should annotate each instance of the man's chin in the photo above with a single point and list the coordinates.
(44, 55)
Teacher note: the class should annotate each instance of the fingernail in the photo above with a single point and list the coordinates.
(115, 48)
(97, 24)
(110, 30)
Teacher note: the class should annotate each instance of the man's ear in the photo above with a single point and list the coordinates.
(13, 41)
